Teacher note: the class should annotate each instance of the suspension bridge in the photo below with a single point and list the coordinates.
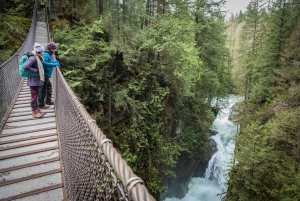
(62, 156)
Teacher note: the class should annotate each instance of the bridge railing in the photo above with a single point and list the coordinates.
(10, 80)
(92, 166)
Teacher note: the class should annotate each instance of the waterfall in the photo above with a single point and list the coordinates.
(214, 182)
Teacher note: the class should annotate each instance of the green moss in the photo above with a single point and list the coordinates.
(13, 33)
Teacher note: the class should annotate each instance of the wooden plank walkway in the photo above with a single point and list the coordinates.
(30, 163)
(41, 33)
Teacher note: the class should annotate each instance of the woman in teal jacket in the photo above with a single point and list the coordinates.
(49, 63)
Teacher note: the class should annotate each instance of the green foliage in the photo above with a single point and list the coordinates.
(240, 17)
(250, 40)
(13, 32)
(250, 168)
(18, 8)
(211, 44)
(267, 152)
(84, 54)
(194, 140)
(171, 41)
(75, 10)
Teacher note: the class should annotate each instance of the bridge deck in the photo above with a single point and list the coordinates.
(30, 165)
(41, 33)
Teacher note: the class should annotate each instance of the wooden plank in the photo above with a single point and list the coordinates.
(30, 118)
(27, 138)
(29, 131)
(34, 176)
(25, 93)
(27, 90)
(22, 102)
(21, 106)
(27, 144)
(27, 125)
(29, 110)
(29, 165)
(26, 113)
(28, 152)
(23, 99)
(30, 193)
(24, 96)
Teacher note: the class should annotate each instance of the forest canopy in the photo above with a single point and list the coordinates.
(148, 72)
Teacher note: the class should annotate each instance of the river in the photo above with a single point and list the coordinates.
(207, 188)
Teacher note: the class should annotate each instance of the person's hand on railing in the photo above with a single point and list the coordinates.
(57, 63)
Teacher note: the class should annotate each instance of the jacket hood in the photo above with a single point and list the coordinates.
(48, 51)
(28, 54)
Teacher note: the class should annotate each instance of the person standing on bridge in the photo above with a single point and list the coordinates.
(34, 65)
(45, 97)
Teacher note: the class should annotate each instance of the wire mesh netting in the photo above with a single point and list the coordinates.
(10, 80)
(88, 174)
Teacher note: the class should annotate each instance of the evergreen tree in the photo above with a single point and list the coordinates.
(250, 39)
(211, 41)
(270, 55)
(267, 152)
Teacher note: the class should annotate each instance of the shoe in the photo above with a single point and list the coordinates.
(51, 103)
(45, 107)
(36, 114)
(41, 111)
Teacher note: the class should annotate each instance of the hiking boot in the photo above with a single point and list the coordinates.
(36, 114)
(41, 111)
(45, 107)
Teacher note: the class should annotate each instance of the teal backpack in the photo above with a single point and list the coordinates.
(22, 72)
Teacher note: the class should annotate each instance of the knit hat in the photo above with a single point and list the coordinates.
(51, 45)
(38, 47)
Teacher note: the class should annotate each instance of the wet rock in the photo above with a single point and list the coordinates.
(215, 110)
(178, 187)
(210, 151)
(185, 169)
(230, 117)
(212, 131)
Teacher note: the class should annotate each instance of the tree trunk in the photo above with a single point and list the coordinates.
(100, 7)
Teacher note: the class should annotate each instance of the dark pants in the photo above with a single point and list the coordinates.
(46, 93)
(35, 91)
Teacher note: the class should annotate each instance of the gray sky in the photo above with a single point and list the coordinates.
(234, 6)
